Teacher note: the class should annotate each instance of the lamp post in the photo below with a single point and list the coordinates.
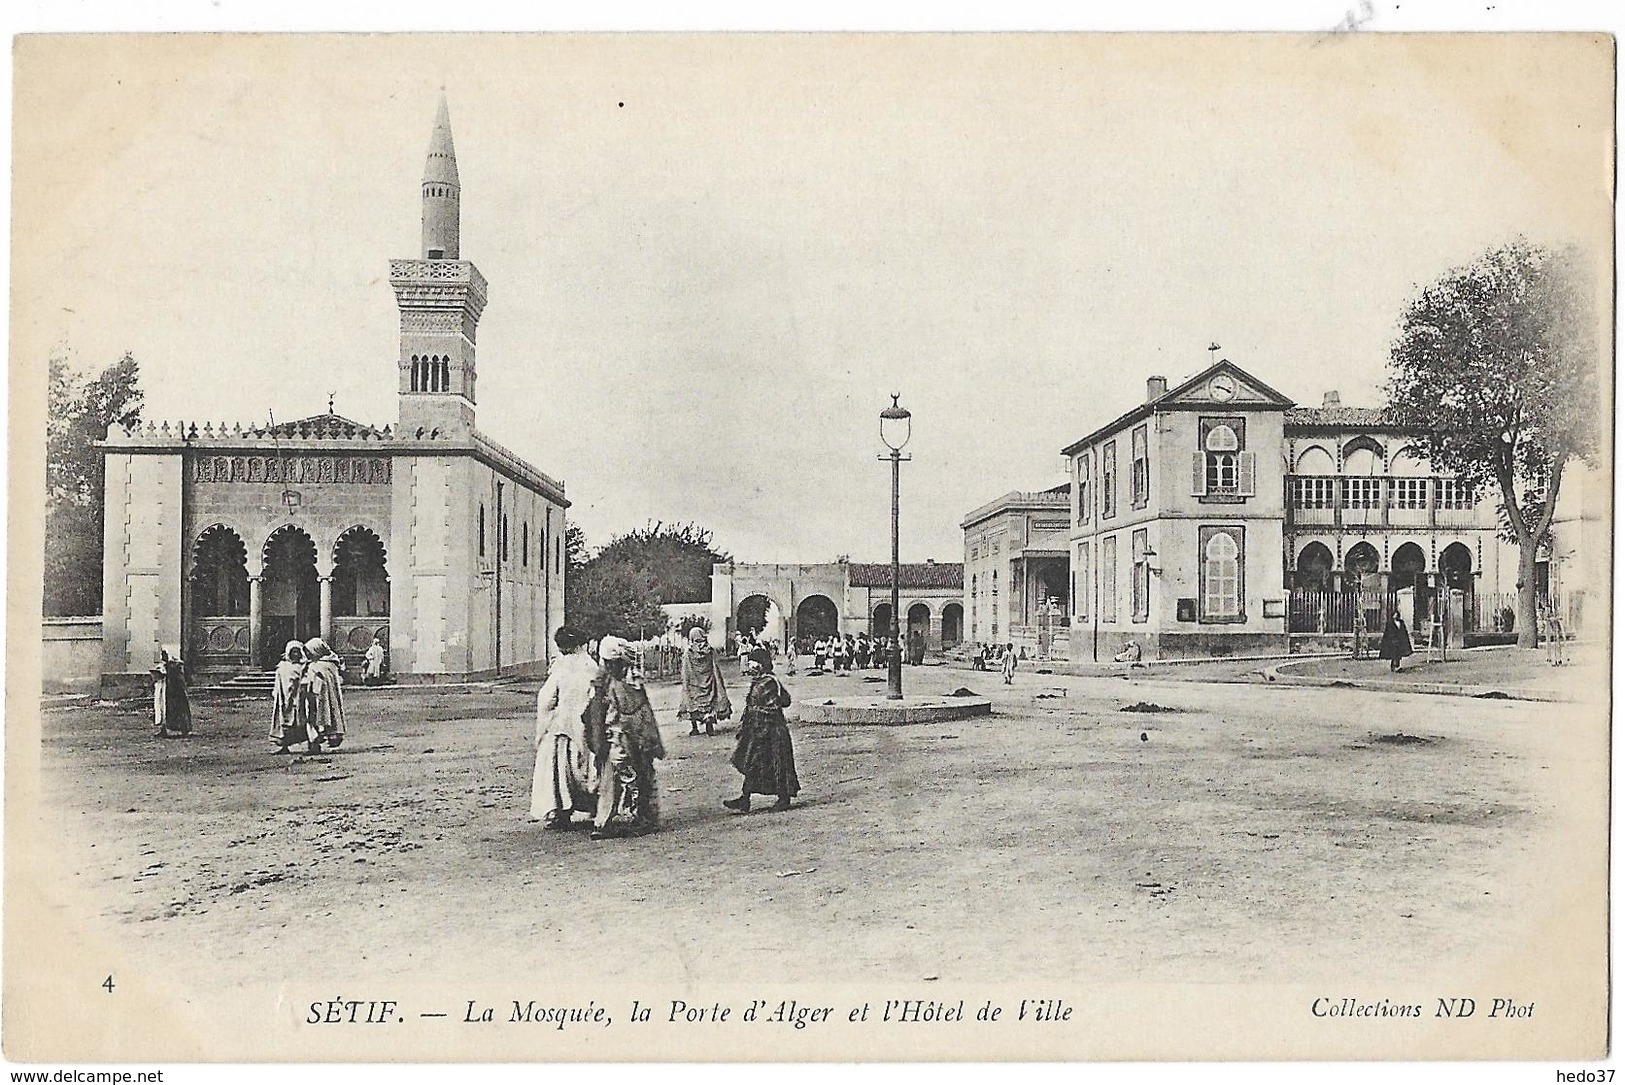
(896, 425)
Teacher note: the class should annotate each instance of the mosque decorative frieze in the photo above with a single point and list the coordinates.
(367, 470)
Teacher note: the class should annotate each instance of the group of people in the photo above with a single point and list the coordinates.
(307, 698)
(597, 739)
(1003, 656)
(307, 695)
(860, 651)
(850, 652)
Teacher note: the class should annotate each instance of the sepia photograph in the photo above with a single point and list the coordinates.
(809, 547)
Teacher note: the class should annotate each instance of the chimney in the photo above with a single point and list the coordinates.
(1155, 387)
(1332, 399)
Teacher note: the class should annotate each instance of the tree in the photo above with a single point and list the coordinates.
(678, 557)
(1496, 363)
(690, 622)
(77, 417)
(613, 597)
(621, 588)
(575, 546)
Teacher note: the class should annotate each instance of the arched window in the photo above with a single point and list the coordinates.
(1085, 507)
(445, 374)
(1221, 574)
(1221, 446)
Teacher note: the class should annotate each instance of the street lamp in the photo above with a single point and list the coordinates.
(896, 426)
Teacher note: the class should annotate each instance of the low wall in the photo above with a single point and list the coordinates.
(72, 656)
(1172, 645)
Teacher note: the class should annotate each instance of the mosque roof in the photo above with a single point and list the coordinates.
(327, 426)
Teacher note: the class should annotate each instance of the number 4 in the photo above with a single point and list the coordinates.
(108, 984)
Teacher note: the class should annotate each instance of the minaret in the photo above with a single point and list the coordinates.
(440, 191)
(440, 298)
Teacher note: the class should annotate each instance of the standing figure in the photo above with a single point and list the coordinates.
(820, 649)
(627, 802)
(763, 753)
(324, 685)
(569, 734)
(1007, 663)
(290, 705)
(1396, 641)
(789, 655)
(916, 647)
(705, 698)
(374, 674)
(171, 708)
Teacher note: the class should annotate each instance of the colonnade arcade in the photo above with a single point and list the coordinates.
(243, 605)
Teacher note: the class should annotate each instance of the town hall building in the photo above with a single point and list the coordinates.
(1219, 518)
(426, 535)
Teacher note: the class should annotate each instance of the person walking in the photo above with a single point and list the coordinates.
(323, 683)
(171, 707)
(705, 697)
(569, 734)
(628, 804)
(1008, 663)
(763, 753)
(290, 709)
(1396, 642)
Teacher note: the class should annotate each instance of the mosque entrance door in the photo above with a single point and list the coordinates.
(292, 595)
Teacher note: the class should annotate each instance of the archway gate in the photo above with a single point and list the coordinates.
(787, 587)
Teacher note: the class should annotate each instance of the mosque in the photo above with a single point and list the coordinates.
(427, 535)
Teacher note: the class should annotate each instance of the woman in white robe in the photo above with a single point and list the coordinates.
(290, 711)
(569, 734)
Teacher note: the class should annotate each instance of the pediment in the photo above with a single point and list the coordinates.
(1221, 385)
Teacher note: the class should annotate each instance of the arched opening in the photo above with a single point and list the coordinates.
(1361, 560)
(1362, 456)
(1409, 568)
(919, 622)
(220, 574)
(218, 600)
(360, 575)
(1409, 574)
(1313, 610)
(1456, 564)
(1314, 571)
(816, 617)
(953, 624)
(750, 616)
(292, 599)
(880, 621)
(1315, 460)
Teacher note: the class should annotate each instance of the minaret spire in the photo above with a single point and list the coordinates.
(441, 191)
(440, 297)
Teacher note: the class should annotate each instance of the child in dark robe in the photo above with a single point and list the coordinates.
(764, 754)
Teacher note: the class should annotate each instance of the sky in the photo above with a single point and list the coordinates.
(712, 259)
